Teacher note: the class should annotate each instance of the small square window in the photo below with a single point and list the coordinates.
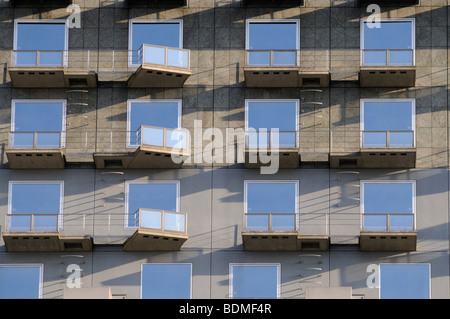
(405, 281)
(255, 281)
(166, 281)
(21, 281)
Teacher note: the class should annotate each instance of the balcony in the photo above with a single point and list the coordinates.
(51, 69)
(36, 150)
(277, 232)
(40, 232)
(157, 147)
(387, 68)
(157, 230)
(280, 68)
(160, 66)
(388, 232)
(283, 144)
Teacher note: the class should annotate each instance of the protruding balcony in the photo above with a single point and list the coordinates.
(387, 68)
(157, 147)
(41, 232)
(51, 69)
(263, 146)
(388, 232)
(277, 232)
(280, 68)
(36, 150)
(160, 66)
(157, 230)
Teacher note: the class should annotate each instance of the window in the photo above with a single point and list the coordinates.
(254, 280)
(21, 281)
(388, 205)
(35, 205)
(156, 36)
(388, 123)
(41, 43)
(38, 123)
(271, 205)
(265, 115)
(153, 122)
(405, 281)
(154, 195)
(166, 281)
(390, 44)
(273, 42)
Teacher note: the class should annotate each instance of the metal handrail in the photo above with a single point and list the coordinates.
(35, 136)
(32, 221)
(141, 55)
(387, 51)
(388, 219)
(270, 144)
(269, 224)
(271, 52)
(388, 139)
(64, 58)
(138, 219)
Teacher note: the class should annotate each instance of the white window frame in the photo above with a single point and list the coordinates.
(413, 115)
(149, 21)
(297, 117)
(381, 20)
(127, 196)
(129, 104)
(379, 181)
(142, 273)
(264, 21)
(230, 280)
(41, 273)
(379, 274)
(297, 198)
(42, 21)
(64, 114)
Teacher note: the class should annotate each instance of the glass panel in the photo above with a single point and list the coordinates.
(273, 36)
(36, 198)
(20, 282)
(48, 140)
(174, 222)
(19, 223)
(284, 58)
(257, 222)
(255, 281)
(405, 281)
(375, 222)
(166, 281)
(154, 55)
(395, 198)
(178, 139)
(401, 139)
(258, 58)
(22, 140)
(375, 58)
(50, 58)
(177, 58)
(400, 58)
(25, 58)
(45, 223)
(402, 223)
(287, 139)
(152, 136)
(374, 139)
(283, 222)
(151, 219)
(271, 198)
(159, 196)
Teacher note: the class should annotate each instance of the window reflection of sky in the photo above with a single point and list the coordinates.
(405, 281)
(166, 281)
(255, 281)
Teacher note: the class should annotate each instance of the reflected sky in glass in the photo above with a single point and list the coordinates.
(41, 36)
(161, 196)
(38, 116)
(405, 281)
(388, 198)
(271, 197)
(388, 116)
(280, 115)
(20, 282)
(391, 35)
(251, 281)
(35, 198)
(272, 36)
(166, 281)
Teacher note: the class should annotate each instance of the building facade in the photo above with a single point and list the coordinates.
(215, 149)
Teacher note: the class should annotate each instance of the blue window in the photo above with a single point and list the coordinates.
(390, 44)
(254, 280)
(271, 205)
(166, 281)
(38, 124)
(273, 42)
(35, 206)
(388, 123)
(405, 281)
(388, 205)
(21, 281)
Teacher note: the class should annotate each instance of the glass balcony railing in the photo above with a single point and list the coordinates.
(37, 140)
(387, 57)
(387, 139)
(163, 137)
(270, 222)
(388, 222)
(32, 222)
(164, 56)
(39, 58)
(272, 58)
(160, 220)
(271, 139)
